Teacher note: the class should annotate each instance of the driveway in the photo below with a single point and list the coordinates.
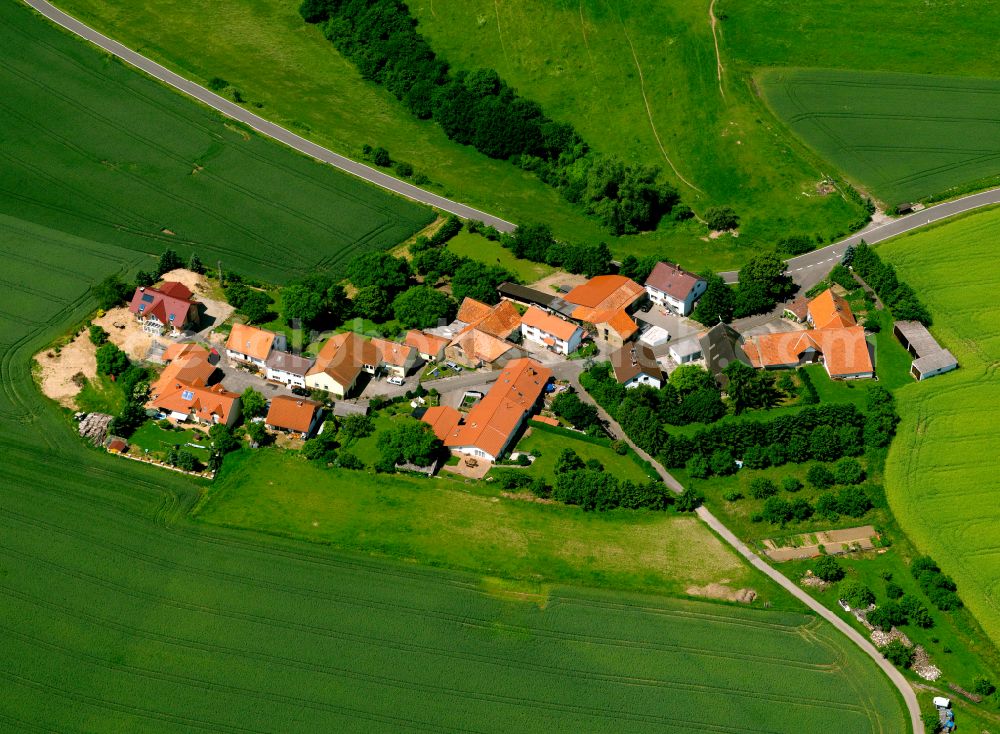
(774, 326)
(238, 380)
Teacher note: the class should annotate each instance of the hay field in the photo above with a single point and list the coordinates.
(94, 149)
(904, 136)
(942, 467)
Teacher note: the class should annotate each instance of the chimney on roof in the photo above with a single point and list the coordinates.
(142, 289)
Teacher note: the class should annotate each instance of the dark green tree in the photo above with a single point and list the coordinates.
(111, 360)
(422, 307)
(169, 260)
(252, 404)
(111, 292)
(372, 302)
(716, 303)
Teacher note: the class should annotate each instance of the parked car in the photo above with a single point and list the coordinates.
(456, 367)
(394, 380)
(302, 392)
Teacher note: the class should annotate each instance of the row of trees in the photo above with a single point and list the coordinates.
(899, 296)
(853, 501)
(535, 242)
(478, 108)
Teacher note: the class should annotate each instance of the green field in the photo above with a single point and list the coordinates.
(94, 149)
(122, 615)
(904, 136)
(941, 472)
(576, 60)
(444, 522)
(476, 247)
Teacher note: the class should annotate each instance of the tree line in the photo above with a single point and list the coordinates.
(898, 295)
(480, 109)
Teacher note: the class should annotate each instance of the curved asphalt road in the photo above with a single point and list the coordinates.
(817, 259)
(827, 256)
(229, 109)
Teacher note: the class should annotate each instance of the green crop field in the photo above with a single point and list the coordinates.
(576, 60)
(94, 149)
(119, 614)
(904, 136)
(941, 472)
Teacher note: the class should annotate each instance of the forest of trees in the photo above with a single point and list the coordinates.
(478, 108)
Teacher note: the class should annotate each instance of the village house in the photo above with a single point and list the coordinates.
(836, 340)
(558, 335)
(482, 332)
(670, 286)
(297, 416)
(288, 369)
(168, 308)
(492, 426)
(340, 363)
(930, 359)
(635, 365)
(397, 360)
(184, 390)
(249, 345)
(713, 349)
(607, 302)
(430, 347)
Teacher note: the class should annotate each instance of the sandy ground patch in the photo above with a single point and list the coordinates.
(79, 356)
(125, 333)
(550, 283)
(195, 282)
(721, 591)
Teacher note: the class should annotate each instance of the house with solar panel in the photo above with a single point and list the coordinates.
(167, 309)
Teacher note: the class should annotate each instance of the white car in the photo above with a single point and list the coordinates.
(394, 380)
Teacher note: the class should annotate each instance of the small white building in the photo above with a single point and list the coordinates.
(686, 350)
(672, 287)
(558, 335)
(288, 369)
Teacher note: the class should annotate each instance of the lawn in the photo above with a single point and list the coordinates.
(446, 522)
(95, 149)
(155, 440)
(100, 395)
(905, 137)
(547, 443)
(941, 471)
(576, 60)
(477, 247)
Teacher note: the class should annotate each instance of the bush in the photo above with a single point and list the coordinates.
(762, 488)
(983, 686)
(820, 477)
(722, 462)
(217, 84)
(848, 471)
(721, 218)
(97, 335)
(828, 569)
(697, 467)
(619, 447)
(689, 500)
(856, 594)
(916, 612)
(893, 590)
(404, 169)
(732, 496)
(898, 654)
(776, 511)
(791, 484)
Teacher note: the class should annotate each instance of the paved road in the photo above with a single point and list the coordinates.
(827, 256)
(909, 696)
(229, 109)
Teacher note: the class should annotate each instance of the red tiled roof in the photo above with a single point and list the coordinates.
(392, 352)
(161, 303)
(250, 340)
(845, 350)
(828, 310)
(672, 280)
(472, 311)
(443, 420)
(549, 324)
(292, 414)
(604, 300)
(478, 345)
(189, 365)
(344, 356)
(492, 421)
(204, 402)
(425, 343)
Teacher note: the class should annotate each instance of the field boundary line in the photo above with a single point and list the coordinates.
(259, 124)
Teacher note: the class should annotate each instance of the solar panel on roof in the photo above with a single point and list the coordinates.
(187, 395)
(147, 298)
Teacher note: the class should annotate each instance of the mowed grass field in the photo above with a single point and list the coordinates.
(942, 467)
(905, 136)
(576, 60)
(92, 148)
(119, 614)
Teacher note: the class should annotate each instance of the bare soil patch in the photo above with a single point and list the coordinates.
(553, 282)
(125, 332)
(198, 284)
(58, 370)
(721, 591)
